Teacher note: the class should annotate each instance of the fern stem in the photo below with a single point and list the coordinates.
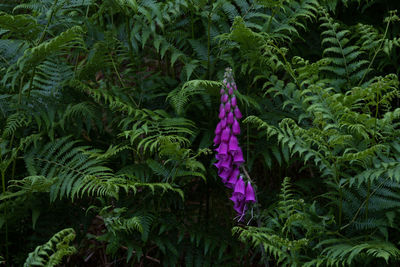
(362, 204)
(376, 53)
(48, 22)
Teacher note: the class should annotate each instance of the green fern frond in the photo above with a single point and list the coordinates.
(52, 253)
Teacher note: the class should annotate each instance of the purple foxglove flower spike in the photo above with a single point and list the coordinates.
(233, 101)
(235, 127)
(237, 112)
(226, 134)
(250, 196)
(229, 154)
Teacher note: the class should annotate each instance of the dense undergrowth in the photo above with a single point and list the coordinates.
(107, 118)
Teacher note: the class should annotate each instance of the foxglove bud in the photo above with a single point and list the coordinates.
(237, 112)
(233, 101)
(230, 118)
(227, 107)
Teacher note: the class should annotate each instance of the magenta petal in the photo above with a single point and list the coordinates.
(233, 144)
(217, 140)
(230, 91)
(226, 134)
(224, 98)
(238, 157)
(230, 117)
(233, 101)
(222, 91)
(235, 127)
(227, 107)
(238, 114)
(250, 196)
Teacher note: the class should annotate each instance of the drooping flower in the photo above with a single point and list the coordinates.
(235, 127)
(249, 194)
(233, 144)
(240, 188)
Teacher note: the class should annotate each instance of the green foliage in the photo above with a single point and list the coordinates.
(52, 253)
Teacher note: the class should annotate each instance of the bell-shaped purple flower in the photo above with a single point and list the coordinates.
(217, 139)
(235, 127)
(233, 178)
(224, 173)
(234, 101)
(230, 117)
(222, 113)
(240, 188)
(227, 162)
(230, 91)
(224, 98)
(218, 129)
(222, 91)
(233, 144)
(240, 207)
(237, 112)
(223, 124)
(227, 107)
(250, 196)
(226, 134)
(238, 157)
(222, 151)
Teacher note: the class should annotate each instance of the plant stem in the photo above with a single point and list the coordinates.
(376, 52)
